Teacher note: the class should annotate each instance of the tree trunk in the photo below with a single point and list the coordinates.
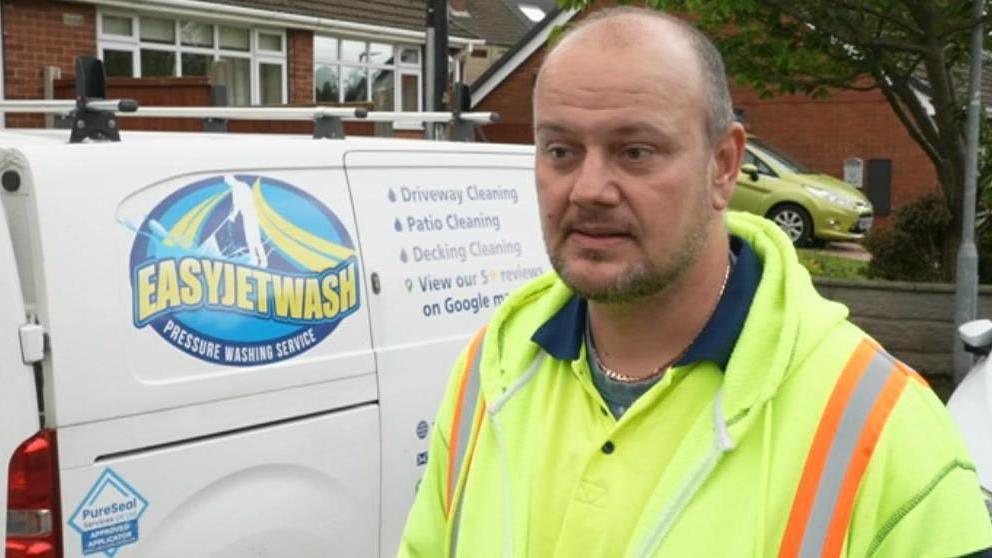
(954, 194)
(952, 241)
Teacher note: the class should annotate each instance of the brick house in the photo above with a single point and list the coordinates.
(820, 133)
(371, 51)
(265, 52)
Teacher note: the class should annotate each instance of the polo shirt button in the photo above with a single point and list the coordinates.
(608, 447)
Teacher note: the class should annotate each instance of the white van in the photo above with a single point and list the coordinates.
(971, 403)
(233, 345)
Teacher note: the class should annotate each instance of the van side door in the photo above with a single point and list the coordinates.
(211, 376)
(446, 236)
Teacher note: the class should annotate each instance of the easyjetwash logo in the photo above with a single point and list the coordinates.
(242, 270)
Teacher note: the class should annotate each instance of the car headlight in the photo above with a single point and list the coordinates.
(832, 197)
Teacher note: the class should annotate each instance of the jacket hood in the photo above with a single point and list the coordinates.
(787, 319)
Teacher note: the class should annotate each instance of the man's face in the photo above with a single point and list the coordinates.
(624, 168)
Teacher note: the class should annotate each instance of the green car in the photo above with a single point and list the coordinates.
(810, 207)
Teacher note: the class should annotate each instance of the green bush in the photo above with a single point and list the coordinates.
(834, 267)
(985, 259)
(983, 236)
(912, 250)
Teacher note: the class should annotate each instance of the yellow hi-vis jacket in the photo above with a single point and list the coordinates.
(811, 442)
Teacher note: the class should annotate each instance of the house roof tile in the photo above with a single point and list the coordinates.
(498, 22)
(402, 14)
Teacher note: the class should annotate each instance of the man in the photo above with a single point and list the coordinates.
(677, 387)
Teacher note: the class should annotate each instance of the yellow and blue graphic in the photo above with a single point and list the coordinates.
(243, 270)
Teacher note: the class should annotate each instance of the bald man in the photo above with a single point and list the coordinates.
(676, 387)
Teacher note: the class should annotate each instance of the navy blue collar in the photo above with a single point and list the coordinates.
(561, 336)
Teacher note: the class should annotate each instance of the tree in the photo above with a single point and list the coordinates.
(900, 47)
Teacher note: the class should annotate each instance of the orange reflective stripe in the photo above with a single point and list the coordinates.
(817, 457)
(454, 435)
(852, 422)
(886, 401)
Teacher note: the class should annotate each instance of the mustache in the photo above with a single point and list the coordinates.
(597, 222)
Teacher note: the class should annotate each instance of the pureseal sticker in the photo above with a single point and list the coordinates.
(108, 516)
(242, 270)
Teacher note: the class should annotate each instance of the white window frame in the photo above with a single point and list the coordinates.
(398, 67)
(254, 54)
(274, 57)
(420, 88)
(408, 68)
(257, 72)
(258, 42)
(119, 42)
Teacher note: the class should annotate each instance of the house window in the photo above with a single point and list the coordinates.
(348, 70)
(251, 62)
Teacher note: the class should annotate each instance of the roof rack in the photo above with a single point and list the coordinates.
(94, 117)
(327, 120)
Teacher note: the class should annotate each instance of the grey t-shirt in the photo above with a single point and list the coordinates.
(619, 396)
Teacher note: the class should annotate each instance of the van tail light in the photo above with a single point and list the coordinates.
(34, 519)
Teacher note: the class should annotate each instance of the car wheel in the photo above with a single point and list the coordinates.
(794, 221)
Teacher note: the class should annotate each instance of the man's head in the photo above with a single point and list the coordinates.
(637, 152)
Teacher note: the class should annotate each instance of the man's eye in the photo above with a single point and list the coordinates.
(557, 152)
(636, 153)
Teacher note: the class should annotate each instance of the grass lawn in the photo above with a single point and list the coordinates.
(825, 265)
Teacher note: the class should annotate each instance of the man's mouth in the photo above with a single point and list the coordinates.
(600, 231)
(598, 236)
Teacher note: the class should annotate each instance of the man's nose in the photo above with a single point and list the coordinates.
(596, 181)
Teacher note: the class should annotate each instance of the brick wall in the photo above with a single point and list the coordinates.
(300, 70)
(512, 100)
(913, 321)
(39, 33)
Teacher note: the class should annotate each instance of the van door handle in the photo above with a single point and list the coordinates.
(32, 343)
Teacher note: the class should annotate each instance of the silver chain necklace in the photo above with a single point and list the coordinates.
(628, 379)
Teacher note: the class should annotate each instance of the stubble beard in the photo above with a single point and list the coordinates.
(640, 279)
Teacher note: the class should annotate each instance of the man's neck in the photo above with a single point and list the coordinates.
(636, 338)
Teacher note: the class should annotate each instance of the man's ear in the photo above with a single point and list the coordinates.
(727, 155)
